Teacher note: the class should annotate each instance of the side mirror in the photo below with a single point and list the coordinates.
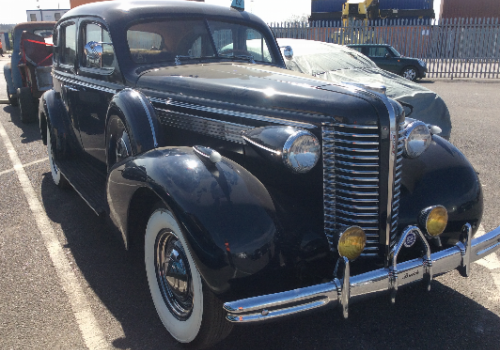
(288, 52)
(93, 54)
(387, 56)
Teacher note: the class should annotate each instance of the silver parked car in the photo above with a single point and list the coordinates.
(344, 65)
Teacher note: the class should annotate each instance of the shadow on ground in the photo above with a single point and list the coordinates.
(31, 131)
(441, 319)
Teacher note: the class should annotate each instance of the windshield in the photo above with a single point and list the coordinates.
(180, 39)
(46, 34)
(314, 57)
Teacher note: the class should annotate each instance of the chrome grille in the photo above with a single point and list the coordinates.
(398, 173)
(351, 181)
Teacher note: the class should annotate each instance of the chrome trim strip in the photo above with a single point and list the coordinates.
(171, 102)
(356, 126)
(261, 146)
(367, 285)
(83, 84)
(150, 118)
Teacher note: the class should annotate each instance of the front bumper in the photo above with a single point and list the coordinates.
(348, 289)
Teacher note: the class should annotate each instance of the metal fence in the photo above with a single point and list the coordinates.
(452, 48)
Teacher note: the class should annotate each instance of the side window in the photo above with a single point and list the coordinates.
(57, 16)
(375, 51)
(68, 53)
(97, 47)
(32, 17)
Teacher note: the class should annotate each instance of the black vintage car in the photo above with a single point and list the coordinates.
(256, 192)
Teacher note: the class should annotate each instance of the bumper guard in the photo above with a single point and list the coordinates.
(348, 289)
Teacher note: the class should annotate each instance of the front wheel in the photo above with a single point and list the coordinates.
(189, 311)
(57, 177)
(410, 73)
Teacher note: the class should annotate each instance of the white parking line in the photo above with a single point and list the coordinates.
(92, 335)
(25, 165)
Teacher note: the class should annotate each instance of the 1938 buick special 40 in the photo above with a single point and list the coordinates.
(256, 192)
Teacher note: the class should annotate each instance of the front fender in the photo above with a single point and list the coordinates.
(139, 118)
(441, 175)
(228, 215)
(7, 72)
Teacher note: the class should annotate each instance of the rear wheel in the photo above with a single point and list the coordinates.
(12, 100)
(57, 177)
(189, 311)
(27, 105)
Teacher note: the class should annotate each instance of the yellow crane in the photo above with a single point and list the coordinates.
(365, 10)
(360, 10)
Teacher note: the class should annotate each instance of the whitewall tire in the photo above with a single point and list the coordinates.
(176, 286)
(58, 178)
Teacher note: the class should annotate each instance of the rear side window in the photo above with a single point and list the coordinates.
(68, 53)
(375, 51)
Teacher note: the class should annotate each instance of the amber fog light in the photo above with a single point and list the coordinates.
(433, 220)
(352, 242)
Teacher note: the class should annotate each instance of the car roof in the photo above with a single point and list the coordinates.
(30, 25)
(126, 11)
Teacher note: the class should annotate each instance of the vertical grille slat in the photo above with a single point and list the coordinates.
(351, 193)
(397, 187)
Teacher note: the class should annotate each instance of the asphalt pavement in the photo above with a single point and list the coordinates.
(66, 281)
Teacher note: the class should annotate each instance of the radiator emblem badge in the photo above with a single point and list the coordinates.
(410, 239)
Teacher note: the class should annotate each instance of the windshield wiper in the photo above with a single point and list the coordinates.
(249, 58)
(178, 60)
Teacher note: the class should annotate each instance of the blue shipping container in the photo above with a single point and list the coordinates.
(327, 5)
(406, 4)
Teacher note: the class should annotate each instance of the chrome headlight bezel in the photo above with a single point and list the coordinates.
(411, 130)
(291, 158)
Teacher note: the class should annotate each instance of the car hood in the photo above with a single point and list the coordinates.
(268, 88)
(428, 106)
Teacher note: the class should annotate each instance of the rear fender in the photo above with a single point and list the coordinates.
(228, 216)
(7, 71)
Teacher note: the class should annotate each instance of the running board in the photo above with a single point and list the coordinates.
(88, 182)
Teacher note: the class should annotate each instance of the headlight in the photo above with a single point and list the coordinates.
(422, 63)
(433, 220)
(301, 151)
(417, 139)
(352, 242)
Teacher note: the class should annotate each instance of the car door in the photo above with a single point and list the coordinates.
(98, 79)
(383, 58)
(65, 72)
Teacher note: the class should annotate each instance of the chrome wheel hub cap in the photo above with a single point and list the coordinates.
(410, 74)
(173, 275)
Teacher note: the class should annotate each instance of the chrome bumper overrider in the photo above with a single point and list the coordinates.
(347, 289)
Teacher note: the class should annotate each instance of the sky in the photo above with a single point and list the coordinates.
(268, 10)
